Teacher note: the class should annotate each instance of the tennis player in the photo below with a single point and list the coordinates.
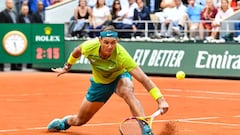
(112, 69)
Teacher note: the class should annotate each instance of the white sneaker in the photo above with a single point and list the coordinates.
(209, 38)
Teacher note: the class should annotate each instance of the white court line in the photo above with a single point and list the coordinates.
(211, 123)
(104, 124)
(204, 92)
(195, 97)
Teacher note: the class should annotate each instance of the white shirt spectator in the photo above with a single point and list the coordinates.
(222, 15)
(99, 14)
(130, 12)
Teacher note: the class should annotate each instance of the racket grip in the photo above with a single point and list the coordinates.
(158, 112)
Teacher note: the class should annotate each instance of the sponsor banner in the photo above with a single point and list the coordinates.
(201, 59)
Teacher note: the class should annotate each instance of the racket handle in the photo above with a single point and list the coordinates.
(158, 112)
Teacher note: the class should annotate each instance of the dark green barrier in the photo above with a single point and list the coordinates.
(221, 60)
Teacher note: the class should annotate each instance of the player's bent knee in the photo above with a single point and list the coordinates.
(126, 93)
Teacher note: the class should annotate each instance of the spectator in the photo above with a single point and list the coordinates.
(100, 17)
(223, 12)
(24, 16)
(39, 16)
(127, 21)
(82, 14)
(194, 14)
(167, 8)
(191, 18)
(8, 15)
(18, 5)
(116, 12)
(141, 13)
(180, 9)
(233, 5)
(207, 16)
(237, 24)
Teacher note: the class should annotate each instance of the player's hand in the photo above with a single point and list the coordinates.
(60, 71)
(162, 104)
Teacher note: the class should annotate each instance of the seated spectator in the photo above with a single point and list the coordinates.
(82, 14)
(167, 7)
(237, 24)
(207, 16)
(180, 9)
(223, 12)
(39, 16)
(170, 18)
(100, 18)
(191, 18)
(127, 22)
(141, 13)
(234, 5)
(116, 12)
(24, 16)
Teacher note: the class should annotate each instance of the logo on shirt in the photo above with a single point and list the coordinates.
(110, 67)
(93, 60)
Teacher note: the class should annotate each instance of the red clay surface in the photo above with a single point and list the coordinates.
(30, 100)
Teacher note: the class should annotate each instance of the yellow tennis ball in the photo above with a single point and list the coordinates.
(180, 75)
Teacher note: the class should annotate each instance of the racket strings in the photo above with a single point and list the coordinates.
(136, 127)
(131, 127)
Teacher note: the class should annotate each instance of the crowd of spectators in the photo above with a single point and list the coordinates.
(196, 19)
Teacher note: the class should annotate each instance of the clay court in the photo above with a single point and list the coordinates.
(30, 100)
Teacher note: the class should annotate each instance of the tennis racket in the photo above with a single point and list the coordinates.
(138, 125)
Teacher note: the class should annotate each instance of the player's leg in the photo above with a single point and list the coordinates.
(126, 91)
(96, 97)
(86, 112)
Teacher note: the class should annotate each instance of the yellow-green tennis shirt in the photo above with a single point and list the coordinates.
(106, 71)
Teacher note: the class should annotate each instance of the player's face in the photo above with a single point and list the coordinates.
(107, 45)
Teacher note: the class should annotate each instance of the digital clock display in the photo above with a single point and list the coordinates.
(48, 53)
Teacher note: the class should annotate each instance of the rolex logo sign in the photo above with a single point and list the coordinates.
(48, 35)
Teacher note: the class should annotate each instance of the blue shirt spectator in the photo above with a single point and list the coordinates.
(194, 12)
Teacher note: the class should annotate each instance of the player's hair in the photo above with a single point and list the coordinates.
(109, 28)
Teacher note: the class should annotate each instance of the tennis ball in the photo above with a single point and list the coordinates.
(180, 75)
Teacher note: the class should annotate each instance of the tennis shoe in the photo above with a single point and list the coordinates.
(147, 130)
(55, 125)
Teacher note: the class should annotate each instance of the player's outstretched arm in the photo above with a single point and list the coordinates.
(140, 76)
(72, 59)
